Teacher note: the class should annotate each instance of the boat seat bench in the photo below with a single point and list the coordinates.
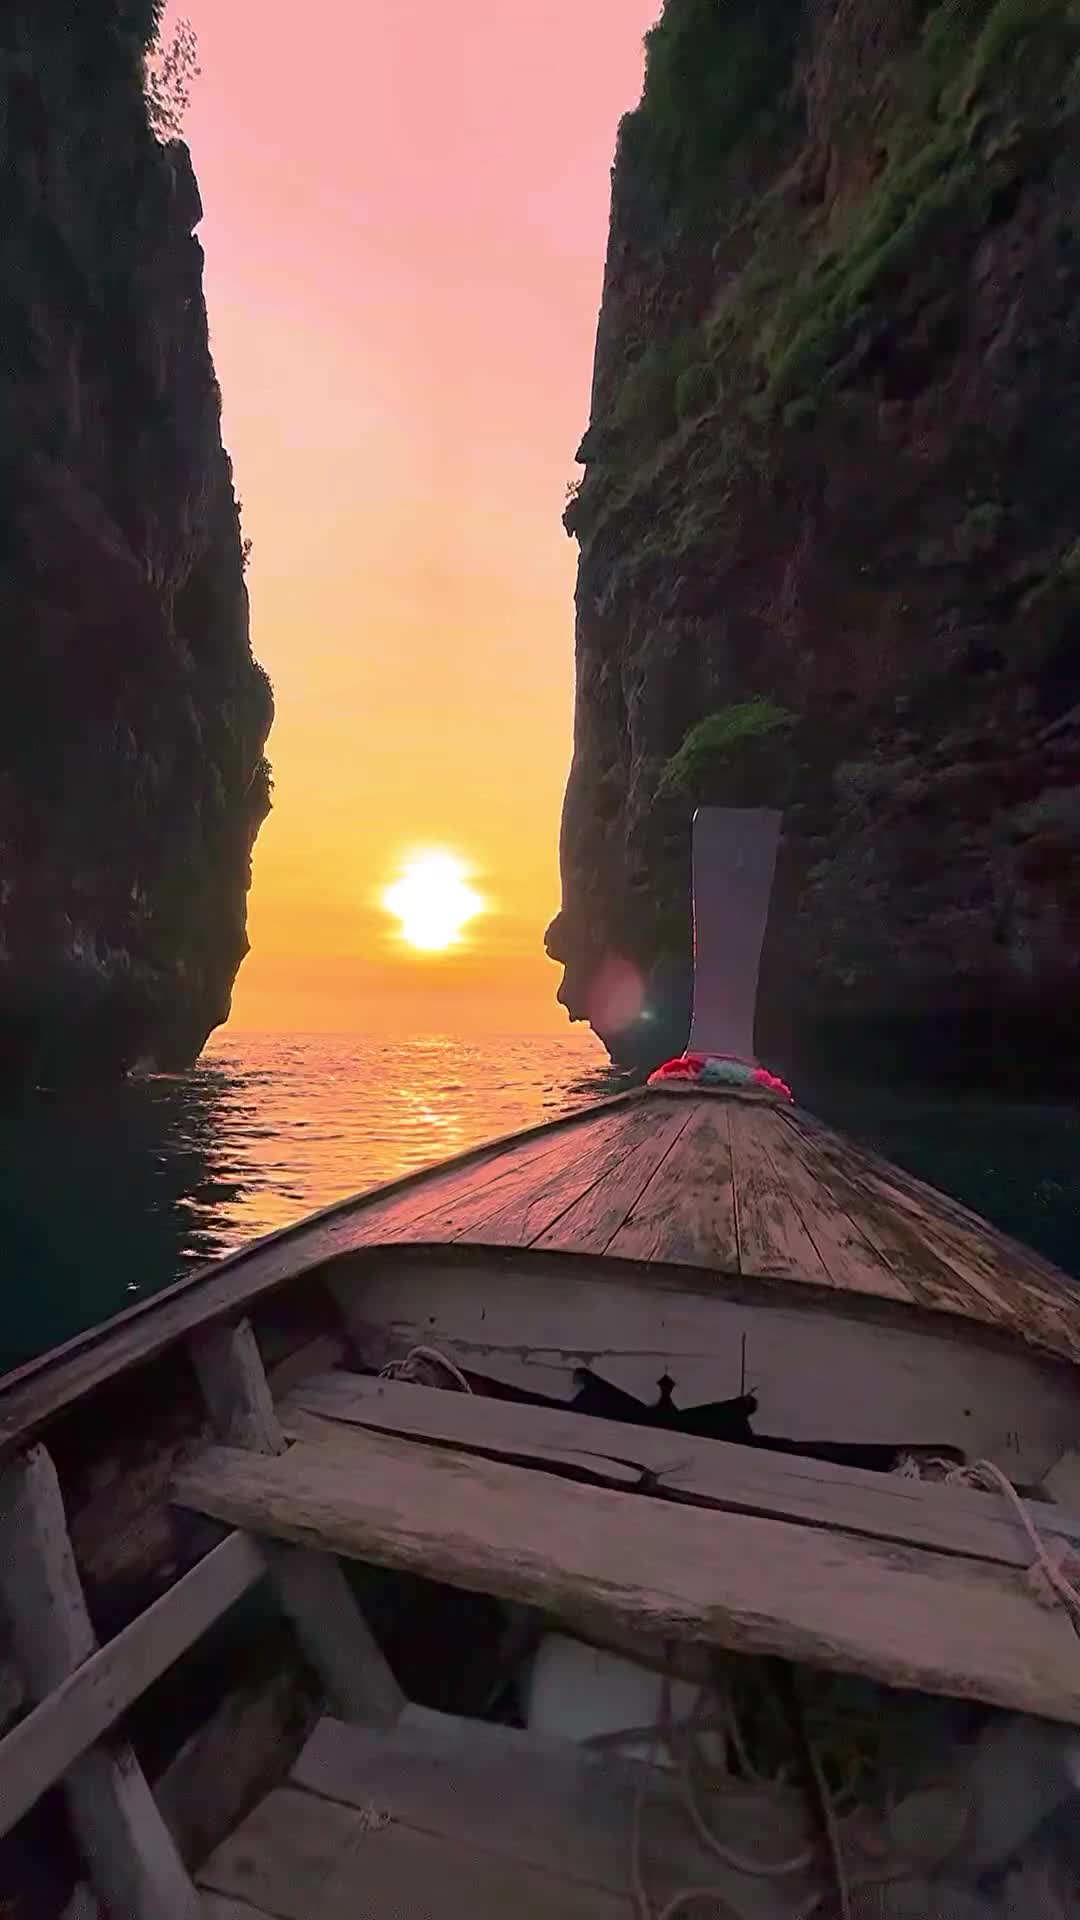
(608, 1558)
(389, 1823)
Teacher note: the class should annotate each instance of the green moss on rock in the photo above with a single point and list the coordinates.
(711, 67)
(712, 744)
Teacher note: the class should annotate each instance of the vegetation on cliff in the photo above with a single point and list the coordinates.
(829, 473)
(132, 728)
(713, 745)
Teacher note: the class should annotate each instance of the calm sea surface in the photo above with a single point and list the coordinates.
(107, 1195)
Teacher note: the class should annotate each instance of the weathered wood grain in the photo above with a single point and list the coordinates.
(686, 1214)
(106, 1683)
(963, 1263)
(133, 1863)
(735, 1478)
(772, 1237)
(452, 1204)
(924, 1277)
(302, 1857)
(1037, 1271)
(905, 1616)
(559, 1805)
(593, 1464)
(820, 1369)
(235, 1388)
(539, 1202)
(235, 1756)
(590, 1223)
(849, 1259)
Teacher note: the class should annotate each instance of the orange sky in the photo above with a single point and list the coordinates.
(406, 210)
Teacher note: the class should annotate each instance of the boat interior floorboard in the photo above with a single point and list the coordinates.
(450, 1819)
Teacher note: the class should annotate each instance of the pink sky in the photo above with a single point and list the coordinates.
(406, 212)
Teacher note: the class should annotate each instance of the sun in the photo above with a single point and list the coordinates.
(432, 902)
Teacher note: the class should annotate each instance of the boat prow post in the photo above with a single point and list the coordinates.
(733, 865)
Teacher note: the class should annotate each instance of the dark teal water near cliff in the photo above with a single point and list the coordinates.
(107, 1195)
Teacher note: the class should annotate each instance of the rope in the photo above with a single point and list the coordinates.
(680, 1740)
(832, 1830)
(984, 1475)
(738, 1862)
(718, 1897)
(406, 1369)
(985, 1469)
(665, 1732)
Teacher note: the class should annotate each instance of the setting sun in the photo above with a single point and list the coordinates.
(432, 902)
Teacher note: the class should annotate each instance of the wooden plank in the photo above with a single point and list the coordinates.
(827, 1368)
(328, 1428)
(301, 1857)
(235, 1388)
(558, 1804)
(849, 1259)
(449, 1207)
(928, 1277)
(333, 1633)
(963, 1264)
(713, 1472)
(772, 1237)
(92, 1698)
(924, 1278)
(902, 1615)
(133, 1863)
(312, 1587)
(1024, 1264)
(235, 1756)
(32, 1394)
(542, 1198)
(447, 1202)
(687, 1212)
(590, 1222)
(999, 1290)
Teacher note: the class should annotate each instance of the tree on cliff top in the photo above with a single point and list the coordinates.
(171, 70)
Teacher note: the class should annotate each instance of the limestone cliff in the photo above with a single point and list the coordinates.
(830, 532)
(132, 715)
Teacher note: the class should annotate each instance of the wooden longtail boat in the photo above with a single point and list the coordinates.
(330, 1575)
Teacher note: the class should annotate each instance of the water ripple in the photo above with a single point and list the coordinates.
(111, 1193)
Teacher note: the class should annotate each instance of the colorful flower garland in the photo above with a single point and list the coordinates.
(719, 1070)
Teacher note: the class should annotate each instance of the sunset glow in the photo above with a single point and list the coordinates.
(405, 225)
(432, 902)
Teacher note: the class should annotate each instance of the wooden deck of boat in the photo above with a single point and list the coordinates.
(741, 1186)
(746, 1189)
(403, 1823)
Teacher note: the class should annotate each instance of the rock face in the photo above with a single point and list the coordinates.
(132, 715)
(829, 524)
